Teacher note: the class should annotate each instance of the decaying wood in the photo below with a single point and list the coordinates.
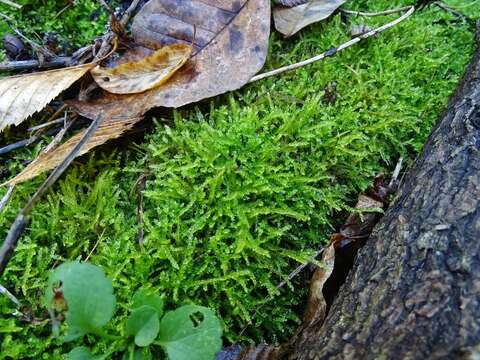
(414, 290)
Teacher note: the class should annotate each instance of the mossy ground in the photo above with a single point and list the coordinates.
(242, 186)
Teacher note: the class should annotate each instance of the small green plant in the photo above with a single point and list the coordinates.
(82, 295)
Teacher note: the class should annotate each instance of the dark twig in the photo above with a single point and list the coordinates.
(454, 12)
(140, 188)
(129, 12)
(10, 243)
(35, 64)
(26, 142)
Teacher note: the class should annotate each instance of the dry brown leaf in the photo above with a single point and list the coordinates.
(23, 95)
(148, 73)
(316, 308)
(230, 46)
(108, 130)
(289, 20)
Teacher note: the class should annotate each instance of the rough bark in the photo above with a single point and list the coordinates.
(414, 290)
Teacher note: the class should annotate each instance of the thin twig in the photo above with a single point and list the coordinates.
(38, 48)
(60, 61)
(6, 198)
(333, 51)
(129, 12)
(372, 14)
(46, 124)
(396, 173)
(280, 285)
(140, 188)
(11, 3)
(95, 246)
(10, 243)
(59, 137)
(6, 17)
(454, 12)
(3, 290)
(26, 142)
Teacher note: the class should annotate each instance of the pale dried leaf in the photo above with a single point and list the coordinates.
(108, 130)
(230, 46)
(289, 20)
(148, 73)
(23, 95)
(316, 308)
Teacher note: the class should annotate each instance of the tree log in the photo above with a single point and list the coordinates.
(414, 289)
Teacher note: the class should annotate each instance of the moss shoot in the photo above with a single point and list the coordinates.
(240, 188)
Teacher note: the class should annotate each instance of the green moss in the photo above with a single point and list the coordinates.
(242, 186)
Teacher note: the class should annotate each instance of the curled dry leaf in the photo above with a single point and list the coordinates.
(108, 130)
(148, 73)
(23, 95)
(289, 20)
(316, 307)
(230, 46)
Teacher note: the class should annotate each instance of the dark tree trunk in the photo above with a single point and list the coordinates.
(414, 290)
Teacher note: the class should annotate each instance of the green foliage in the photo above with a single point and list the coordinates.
(84, 294)
(190, 333)
(240, 187)
(144, 324)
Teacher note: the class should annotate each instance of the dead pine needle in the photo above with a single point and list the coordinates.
(333, 51)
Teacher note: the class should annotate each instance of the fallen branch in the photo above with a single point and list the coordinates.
(333, 51)
(129, 12)
(16, 230)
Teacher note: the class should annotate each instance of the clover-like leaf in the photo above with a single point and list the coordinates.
(145, 297)
(144, 324)
(88, 296)
(190, 333)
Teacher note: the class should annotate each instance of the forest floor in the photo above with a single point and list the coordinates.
(240, 188)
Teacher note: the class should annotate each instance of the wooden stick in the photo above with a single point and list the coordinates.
(333, 51)
(10, 243)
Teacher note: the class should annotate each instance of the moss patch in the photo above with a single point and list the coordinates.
(243, 186)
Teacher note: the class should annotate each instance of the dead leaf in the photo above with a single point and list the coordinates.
(24, 95)
(230, 46)
(148, 73)
(289, 20)
(316, 308)
(108, 130)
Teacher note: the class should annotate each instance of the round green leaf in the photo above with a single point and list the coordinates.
(88, 294)
(143, 323)
(146, 297)
(190, 333)
(80, 353)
